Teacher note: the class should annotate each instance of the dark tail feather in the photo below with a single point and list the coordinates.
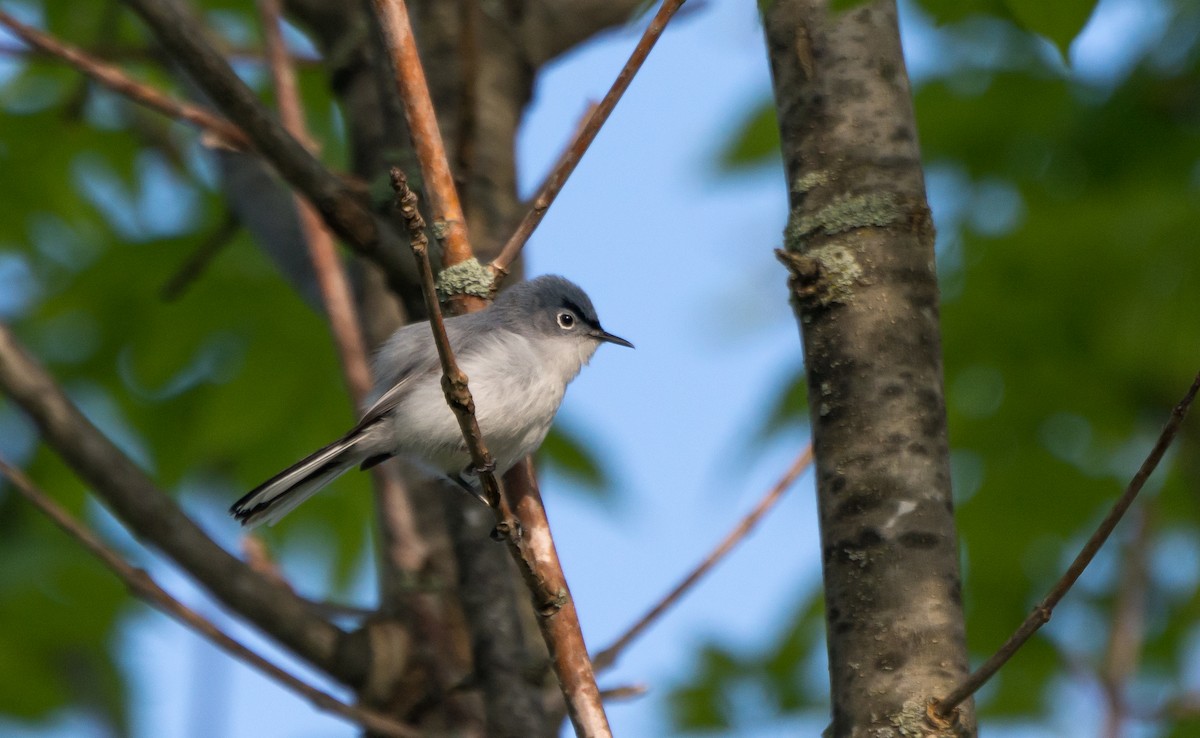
(276, 497)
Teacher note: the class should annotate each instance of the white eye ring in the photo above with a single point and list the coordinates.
(566, 320)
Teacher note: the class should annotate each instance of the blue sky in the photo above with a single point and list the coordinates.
(678, 259)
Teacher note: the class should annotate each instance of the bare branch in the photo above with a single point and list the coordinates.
(331, 278)
(627, 692)
(609, 656)
(110, 53)
(143, 586)
(454, 381)
(1127, 635)
(340, 204)
(153, 517)
(552, 27)
(529, 540)
(198, 260)
(449, 222)
(558, 177)
(118, 81)
(534, 551)
(945, 706)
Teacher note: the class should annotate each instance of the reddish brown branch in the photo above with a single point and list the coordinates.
(609, 656)
(566, 165)
(945, 706)
(144, 587)
(331, 278)
(118, 81)
(520, 517)
(154, 518)
(533, 549)
(198, 261)
(448, 217)
(454, 381)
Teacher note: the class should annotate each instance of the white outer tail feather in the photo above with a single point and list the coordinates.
(280, 494)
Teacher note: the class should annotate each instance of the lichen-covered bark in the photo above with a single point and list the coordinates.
(859, 251)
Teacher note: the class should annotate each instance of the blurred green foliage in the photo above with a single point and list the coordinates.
(108, 204)
(1068, 206)
(1072, 290)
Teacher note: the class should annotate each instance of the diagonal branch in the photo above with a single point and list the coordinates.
(944, 707)
(609, 656)
(118, 81)
(449, 224)
(558, 177)
(339, 203)
(156, 519)
(520, 517)
(454, 381)
(331, 278)
(143, 586)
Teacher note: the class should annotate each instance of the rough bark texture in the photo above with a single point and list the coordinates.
(859, 249)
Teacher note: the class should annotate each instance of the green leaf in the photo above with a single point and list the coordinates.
(840, 6)
(566, 451)
(952, 11)
(756, 142)
(1060, 21)
(789, 408)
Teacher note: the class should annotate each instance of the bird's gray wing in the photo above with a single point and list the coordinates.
(409, 357)
(387, 401)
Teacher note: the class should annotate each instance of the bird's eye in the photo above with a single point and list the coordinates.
(566, 320)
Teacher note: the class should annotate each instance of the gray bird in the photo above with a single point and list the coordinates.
(519, 354)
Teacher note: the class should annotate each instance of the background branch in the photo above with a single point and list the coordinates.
(331, 278)
(558, 176)
(609, 656)
(1041, 614)
(143, 586)
(339, 204)
(449, 223)
(118, 81)
(154, 518)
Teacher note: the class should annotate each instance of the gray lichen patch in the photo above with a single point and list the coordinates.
(841, 215)
(822, 276)
(910, 722)
(811, 180)
(465, 278)
(840, 272)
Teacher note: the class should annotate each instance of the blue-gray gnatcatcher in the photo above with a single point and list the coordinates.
(519, 355)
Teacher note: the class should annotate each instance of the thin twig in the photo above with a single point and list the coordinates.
(198, 261)
(449, 223)
(111, 53)
(454, 381)
(118, 81)
(344, 208)
(558, 177)
(609, 656)
(529, 540)
(143, 586)
(627, 692)
(155, 518)
(331, 278)
(943, 707)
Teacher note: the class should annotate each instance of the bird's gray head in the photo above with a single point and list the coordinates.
(552, 306)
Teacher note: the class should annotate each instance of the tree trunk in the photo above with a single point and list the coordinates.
(859, 251)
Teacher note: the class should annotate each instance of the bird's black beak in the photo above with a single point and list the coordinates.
(602, 335)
